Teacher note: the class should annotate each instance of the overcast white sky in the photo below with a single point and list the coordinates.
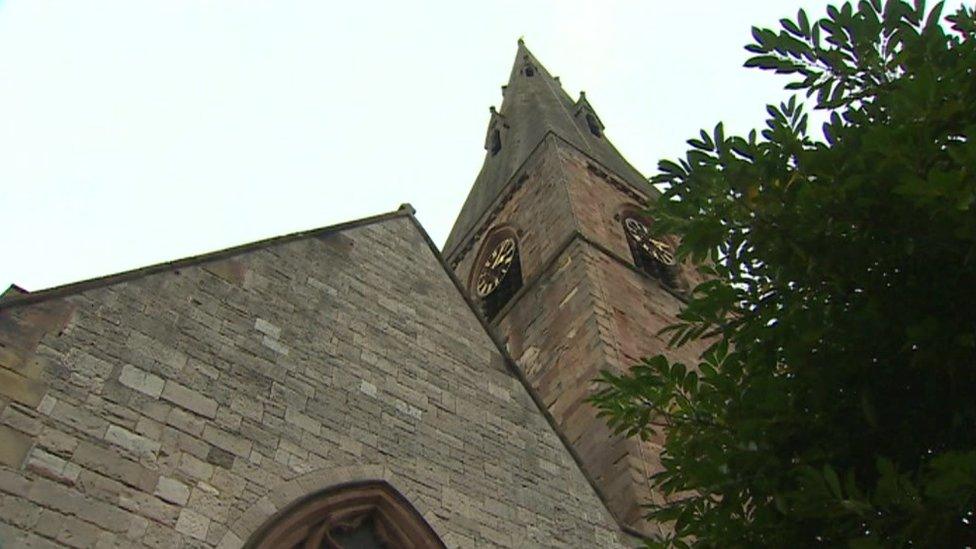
(135, 132)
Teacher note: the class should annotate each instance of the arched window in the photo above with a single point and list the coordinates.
(593, 124)
(653, 255)
(497, 272)
(362, 515)
(494, 142)
(529, 70)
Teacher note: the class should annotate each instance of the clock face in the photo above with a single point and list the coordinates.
(660, 250)
(495, 267)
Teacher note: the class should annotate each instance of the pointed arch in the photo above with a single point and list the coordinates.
(496, 127)
(356, 514)
(652, 255)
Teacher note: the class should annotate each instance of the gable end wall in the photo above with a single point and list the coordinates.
(185, 407)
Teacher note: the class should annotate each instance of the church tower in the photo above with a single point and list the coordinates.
(552, 244)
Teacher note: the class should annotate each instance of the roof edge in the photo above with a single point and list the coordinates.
(13, 301)
(649, 191)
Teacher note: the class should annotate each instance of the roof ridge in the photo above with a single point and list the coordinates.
(73, 288)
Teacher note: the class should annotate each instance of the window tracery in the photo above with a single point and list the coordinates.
(363, 515)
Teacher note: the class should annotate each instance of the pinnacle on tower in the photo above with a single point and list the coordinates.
(534, 106)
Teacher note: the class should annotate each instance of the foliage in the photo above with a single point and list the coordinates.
(836, 403)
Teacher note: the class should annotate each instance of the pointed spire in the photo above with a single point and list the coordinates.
(534, 104)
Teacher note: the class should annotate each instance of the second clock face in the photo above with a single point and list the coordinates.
(495, 267)
(660, 250)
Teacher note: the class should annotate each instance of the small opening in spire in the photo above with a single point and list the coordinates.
(495, 142)
(593, 125)
(529, 71)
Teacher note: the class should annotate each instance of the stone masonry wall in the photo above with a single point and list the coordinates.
(185, 407)
(584, 309)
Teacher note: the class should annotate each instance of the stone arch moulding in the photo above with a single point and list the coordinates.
(366, 513)
(654, 256)
(493, 281)
(492, 236)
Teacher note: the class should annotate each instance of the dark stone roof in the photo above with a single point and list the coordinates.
(532, 107)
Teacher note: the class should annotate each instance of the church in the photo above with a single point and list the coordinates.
(354, 386)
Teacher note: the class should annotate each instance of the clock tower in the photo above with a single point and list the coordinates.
(552, 243)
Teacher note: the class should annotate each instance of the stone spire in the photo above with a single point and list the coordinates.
(534, 105)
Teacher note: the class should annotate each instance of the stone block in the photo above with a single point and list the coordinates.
(221, 458)
(150, 507)
(267, 328)
(302, 421)
(275, 345)
(132, 442)
(172, 490)
(14, 446)
(20, 512)
(93, 367)
(14, 483)
(186, 422)
(75, 533)
(189, 399)
(52, 466)
(79, 418)
(57, 442)
(21, 420)
(110, 463)
(142, 381)
(21, 389)
(231, 271)
(193, 524)
(227, 441)
(195, 467)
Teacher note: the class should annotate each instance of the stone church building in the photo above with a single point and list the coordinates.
(353, 386)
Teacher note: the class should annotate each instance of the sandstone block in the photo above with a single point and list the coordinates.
(79, 418)
(132, 442)
(172, 490)
(196, 468)
(267, 328)
(193, 524)
(185, 422)
(53, 467)
(303, 421)
(14, 446)
(274, 345)
(189, 399)
(20, 420)
(142, 381)
(227, 441)
(109, 463)
(19, 512)
(75, 533)
(21, 389)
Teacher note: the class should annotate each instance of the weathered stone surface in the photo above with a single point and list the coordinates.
(189, 422)
(585, 310)
(132, 442)
(141, 381)
(193, 401)
(193, 524)
(14, 446)
(20, 388)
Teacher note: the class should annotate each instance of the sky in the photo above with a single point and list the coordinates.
(137, 132)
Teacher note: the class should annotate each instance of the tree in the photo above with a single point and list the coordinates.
(836, 404)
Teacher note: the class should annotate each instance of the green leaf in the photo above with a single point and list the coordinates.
(833, 482)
